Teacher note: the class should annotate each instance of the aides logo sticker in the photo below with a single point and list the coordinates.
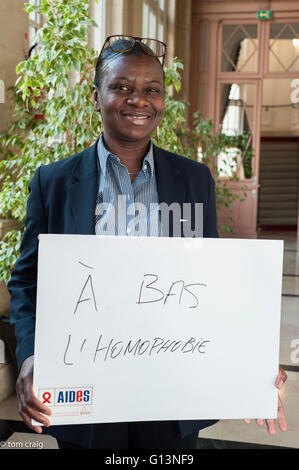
(66, 396)
(73, 396)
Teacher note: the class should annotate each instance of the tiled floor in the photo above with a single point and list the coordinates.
(227, 433)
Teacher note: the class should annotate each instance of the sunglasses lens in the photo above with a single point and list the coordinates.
(121, 43)
(154, 47)
(126, 43)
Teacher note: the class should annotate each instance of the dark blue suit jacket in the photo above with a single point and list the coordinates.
(62, 200)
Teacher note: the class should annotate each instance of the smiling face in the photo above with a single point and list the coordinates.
(131, 97)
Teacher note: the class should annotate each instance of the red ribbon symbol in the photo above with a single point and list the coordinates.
(46, 397)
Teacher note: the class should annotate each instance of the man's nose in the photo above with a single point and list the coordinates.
(137, 98)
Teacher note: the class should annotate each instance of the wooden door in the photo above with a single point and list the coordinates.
(239, 68)
(234, 47)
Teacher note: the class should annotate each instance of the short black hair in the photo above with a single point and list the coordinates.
(109, 55)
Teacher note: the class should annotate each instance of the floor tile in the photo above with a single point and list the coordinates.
(290, 285)
(290, 262)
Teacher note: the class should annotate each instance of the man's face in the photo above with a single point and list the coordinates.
(131, 98)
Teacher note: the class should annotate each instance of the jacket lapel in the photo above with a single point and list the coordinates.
(170, 186)
(84, 186)
(171, 189)
(83, 191)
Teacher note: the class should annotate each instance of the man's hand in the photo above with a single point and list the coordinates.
(29, 406)
(281, 419)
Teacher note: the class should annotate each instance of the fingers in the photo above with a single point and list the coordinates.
(260, 422)
(282, 422)
(271, 426)
(271, 423)
(29, 406)
(281, 378)
(281, 419)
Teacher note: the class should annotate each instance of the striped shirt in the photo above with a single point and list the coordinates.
(125, 208)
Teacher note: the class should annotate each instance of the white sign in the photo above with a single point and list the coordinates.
(141, 329)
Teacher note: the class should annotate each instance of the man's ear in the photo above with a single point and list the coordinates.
(96, 99)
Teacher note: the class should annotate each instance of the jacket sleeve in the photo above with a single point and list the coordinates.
(210, 215)
(23, 283)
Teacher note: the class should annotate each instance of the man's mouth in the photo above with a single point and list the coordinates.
(137, 118)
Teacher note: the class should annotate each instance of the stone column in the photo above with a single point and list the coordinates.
(132, 19)
(180, 34)
(115, 17)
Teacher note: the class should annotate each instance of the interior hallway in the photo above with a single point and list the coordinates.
(226, 433)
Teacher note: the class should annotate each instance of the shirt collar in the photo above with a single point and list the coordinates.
(148, 166)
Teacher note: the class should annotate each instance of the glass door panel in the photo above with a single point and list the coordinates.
(239, 48)
(279, 154)
(280, 107)
(284, 47)
(237, 111)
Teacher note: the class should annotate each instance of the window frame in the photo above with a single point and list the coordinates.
(36, 25)
(154, 7)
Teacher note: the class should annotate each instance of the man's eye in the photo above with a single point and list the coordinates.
(153, 90)
(123, 88)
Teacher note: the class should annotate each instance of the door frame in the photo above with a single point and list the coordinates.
(205, 12)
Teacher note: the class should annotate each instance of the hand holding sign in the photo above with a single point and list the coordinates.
(29, 406)
(281, 419)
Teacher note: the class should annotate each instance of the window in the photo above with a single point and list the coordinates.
(34, 25)
(154, 19)
(98, 35)
(239, 48)
(237, 115)
(284, 47)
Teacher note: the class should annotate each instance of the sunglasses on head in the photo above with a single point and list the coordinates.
(122, 43)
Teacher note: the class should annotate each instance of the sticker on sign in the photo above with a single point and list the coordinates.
(66, 401)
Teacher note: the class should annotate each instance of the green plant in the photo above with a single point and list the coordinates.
(53, 105)
(52, 109)
(213, 144)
